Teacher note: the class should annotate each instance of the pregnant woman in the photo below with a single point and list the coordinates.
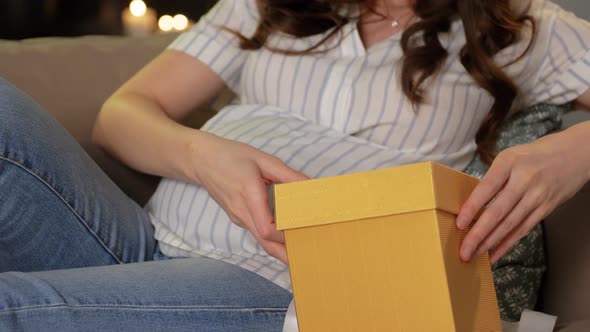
(323, 88)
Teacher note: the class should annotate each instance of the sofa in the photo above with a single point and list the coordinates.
(71, 78)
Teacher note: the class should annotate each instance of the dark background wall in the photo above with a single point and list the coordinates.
(37, 18)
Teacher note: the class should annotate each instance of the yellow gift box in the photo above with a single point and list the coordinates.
(379, 251)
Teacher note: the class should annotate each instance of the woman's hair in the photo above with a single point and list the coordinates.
(490, 26)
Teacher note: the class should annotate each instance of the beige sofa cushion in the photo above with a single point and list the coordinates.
(72, 77)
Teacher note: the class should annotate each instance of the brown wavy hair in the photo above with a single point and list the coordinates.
(489, 26)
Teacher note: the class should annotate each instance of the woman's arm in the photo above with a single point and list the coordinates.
(523, 186)
(138, 123)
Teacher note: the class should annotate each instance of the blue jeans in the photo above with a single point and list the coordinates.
(83, 255)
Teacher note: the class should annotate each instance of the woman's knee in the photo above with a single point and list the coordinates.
(24, 125)
(16, 108)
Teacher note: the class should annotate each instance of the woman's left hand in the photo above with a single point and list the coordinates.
(522, 187)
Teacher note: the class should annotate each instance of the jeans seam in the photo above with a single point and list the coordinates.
(71, 208)
(139, 307)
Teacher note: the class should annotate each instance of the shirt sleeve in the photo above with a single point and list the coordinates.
(564, 72)
(211, 43)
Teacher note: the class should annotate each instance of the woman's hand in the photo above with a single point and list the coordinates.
(236, 176)
(524, 185)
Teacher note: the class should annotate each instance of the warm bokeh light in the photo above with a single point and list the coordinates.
(165, 23)
(179, 22)
(137, 8)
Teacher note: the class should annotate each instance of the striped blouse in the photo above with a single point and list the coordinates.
(343, 111)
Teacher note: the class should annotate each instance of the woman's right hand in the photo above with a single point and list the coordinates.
(236, 176)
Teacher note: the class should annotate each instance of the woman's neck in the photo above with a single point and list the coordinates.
(381, 19)
(391, 5)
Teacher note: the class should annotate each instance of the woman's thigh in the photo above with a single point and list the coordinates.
(57, 208)
(193, 294)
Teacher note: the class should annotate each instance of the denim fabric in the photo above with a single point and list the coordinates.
(185, 294)
(57, 208)
(66, 228)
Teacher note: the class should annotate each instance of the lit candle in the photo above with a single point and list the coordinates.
(166, 23)
(179, 22)
(138, 19)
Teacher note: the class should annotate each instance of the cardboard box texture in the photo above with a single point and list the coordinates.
(379, 251)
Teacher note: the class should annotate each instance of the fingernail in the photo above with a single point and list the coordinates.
(461, 222)
(466, 253)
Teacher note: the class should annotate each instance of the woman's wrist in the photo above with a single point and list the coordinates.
(195, 147)
(580, 138)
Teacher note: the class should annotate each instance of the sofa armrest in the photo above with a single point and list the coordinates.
(565, 292)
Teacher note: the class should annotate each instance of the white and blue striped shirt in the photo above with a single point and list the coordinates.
(343, 111)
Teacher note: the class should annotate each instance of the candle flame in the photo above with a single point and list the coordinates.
(137, 8)
(166, 23)
(180, 22)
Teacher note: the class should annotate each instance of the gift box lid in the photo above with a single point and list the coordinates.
(397, 190)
